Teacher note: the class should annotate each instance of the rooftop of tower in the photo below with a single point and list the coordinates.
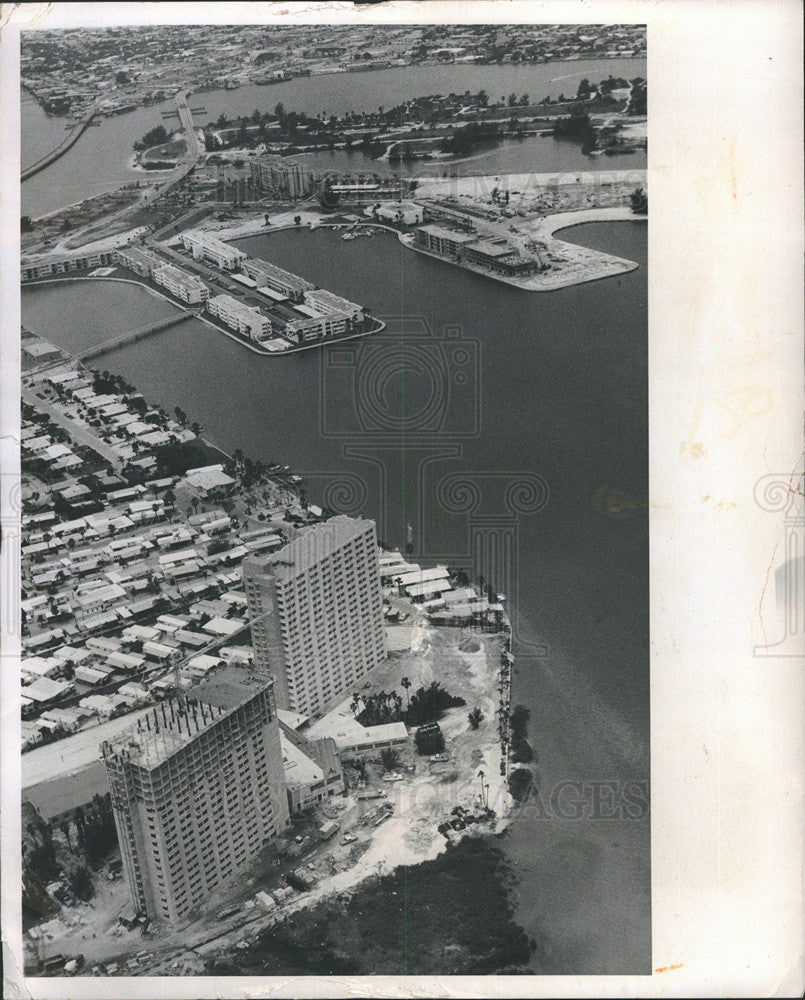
(172, 724)
(309, 546)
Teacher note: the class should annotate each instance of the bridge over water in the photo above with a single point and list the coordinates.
(134, 335)
(60, 150)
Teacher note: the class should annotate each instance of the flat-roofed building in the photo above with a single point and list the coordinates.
(500, 256)
(48, 265)
(237, 316)
(325, 302)
(206, 246)
(313, 772)
(442, 241)
(197, 787)
(141, 260)
(276, 278)
(187, 287)
(317, 327)
(316, 611)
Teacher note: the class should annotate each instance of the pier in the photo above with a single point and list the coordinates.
(134, 335)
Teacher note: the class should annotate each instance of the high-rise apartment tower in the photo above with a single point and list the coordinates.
(317, 613)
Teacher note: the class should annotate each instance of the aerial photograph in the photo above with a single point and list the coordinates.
(335, 534)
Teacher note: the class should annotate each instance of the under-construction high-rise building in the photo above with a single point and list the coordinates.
(197, 789)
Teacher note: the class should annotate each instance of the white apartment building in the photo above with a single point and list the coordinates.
(32, 268)
(245, 319)
(442, 241)
(325, 302)
(316, 612)
(276, 278)
(302, 330)
(197, 788)
(205, 246)
(141, 260)
(187, 287)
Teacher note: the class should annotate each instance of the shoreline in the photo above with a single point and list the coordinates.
(544, 737)
(380, 326)
(205, 89)
(610, 268)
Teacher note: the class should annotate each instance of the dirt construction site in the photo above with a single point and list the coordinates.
(383, 819)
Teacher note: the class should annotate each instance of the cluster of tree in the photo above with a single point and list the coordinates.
(357, 764)
(467, 138)
(522, 753)
(519, 783)
(390, 759)
(638, 101)
(247, 470)
(155, 137)
(379, 708)
(175, 457)
(96, 838)
(38, 849)
(452, 914)
(95, 829)
(403, 152)
(428, 704)
(104, 382)
(612, 83)
(577, 128)
(639, 201)
(476, 717)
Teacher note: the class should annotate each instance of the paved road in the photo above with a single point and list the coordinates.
(76, 431)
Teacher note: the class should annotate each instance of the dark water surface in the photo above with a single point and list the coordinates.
(472, 382)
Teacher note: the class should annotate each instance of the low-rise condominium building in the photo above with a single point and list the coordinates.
(276, 278)
(141, 260)
(187, 287)
(206, 246)
(247, 320)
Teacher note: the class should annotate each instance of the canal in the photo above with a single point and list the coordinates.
(477, 383)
